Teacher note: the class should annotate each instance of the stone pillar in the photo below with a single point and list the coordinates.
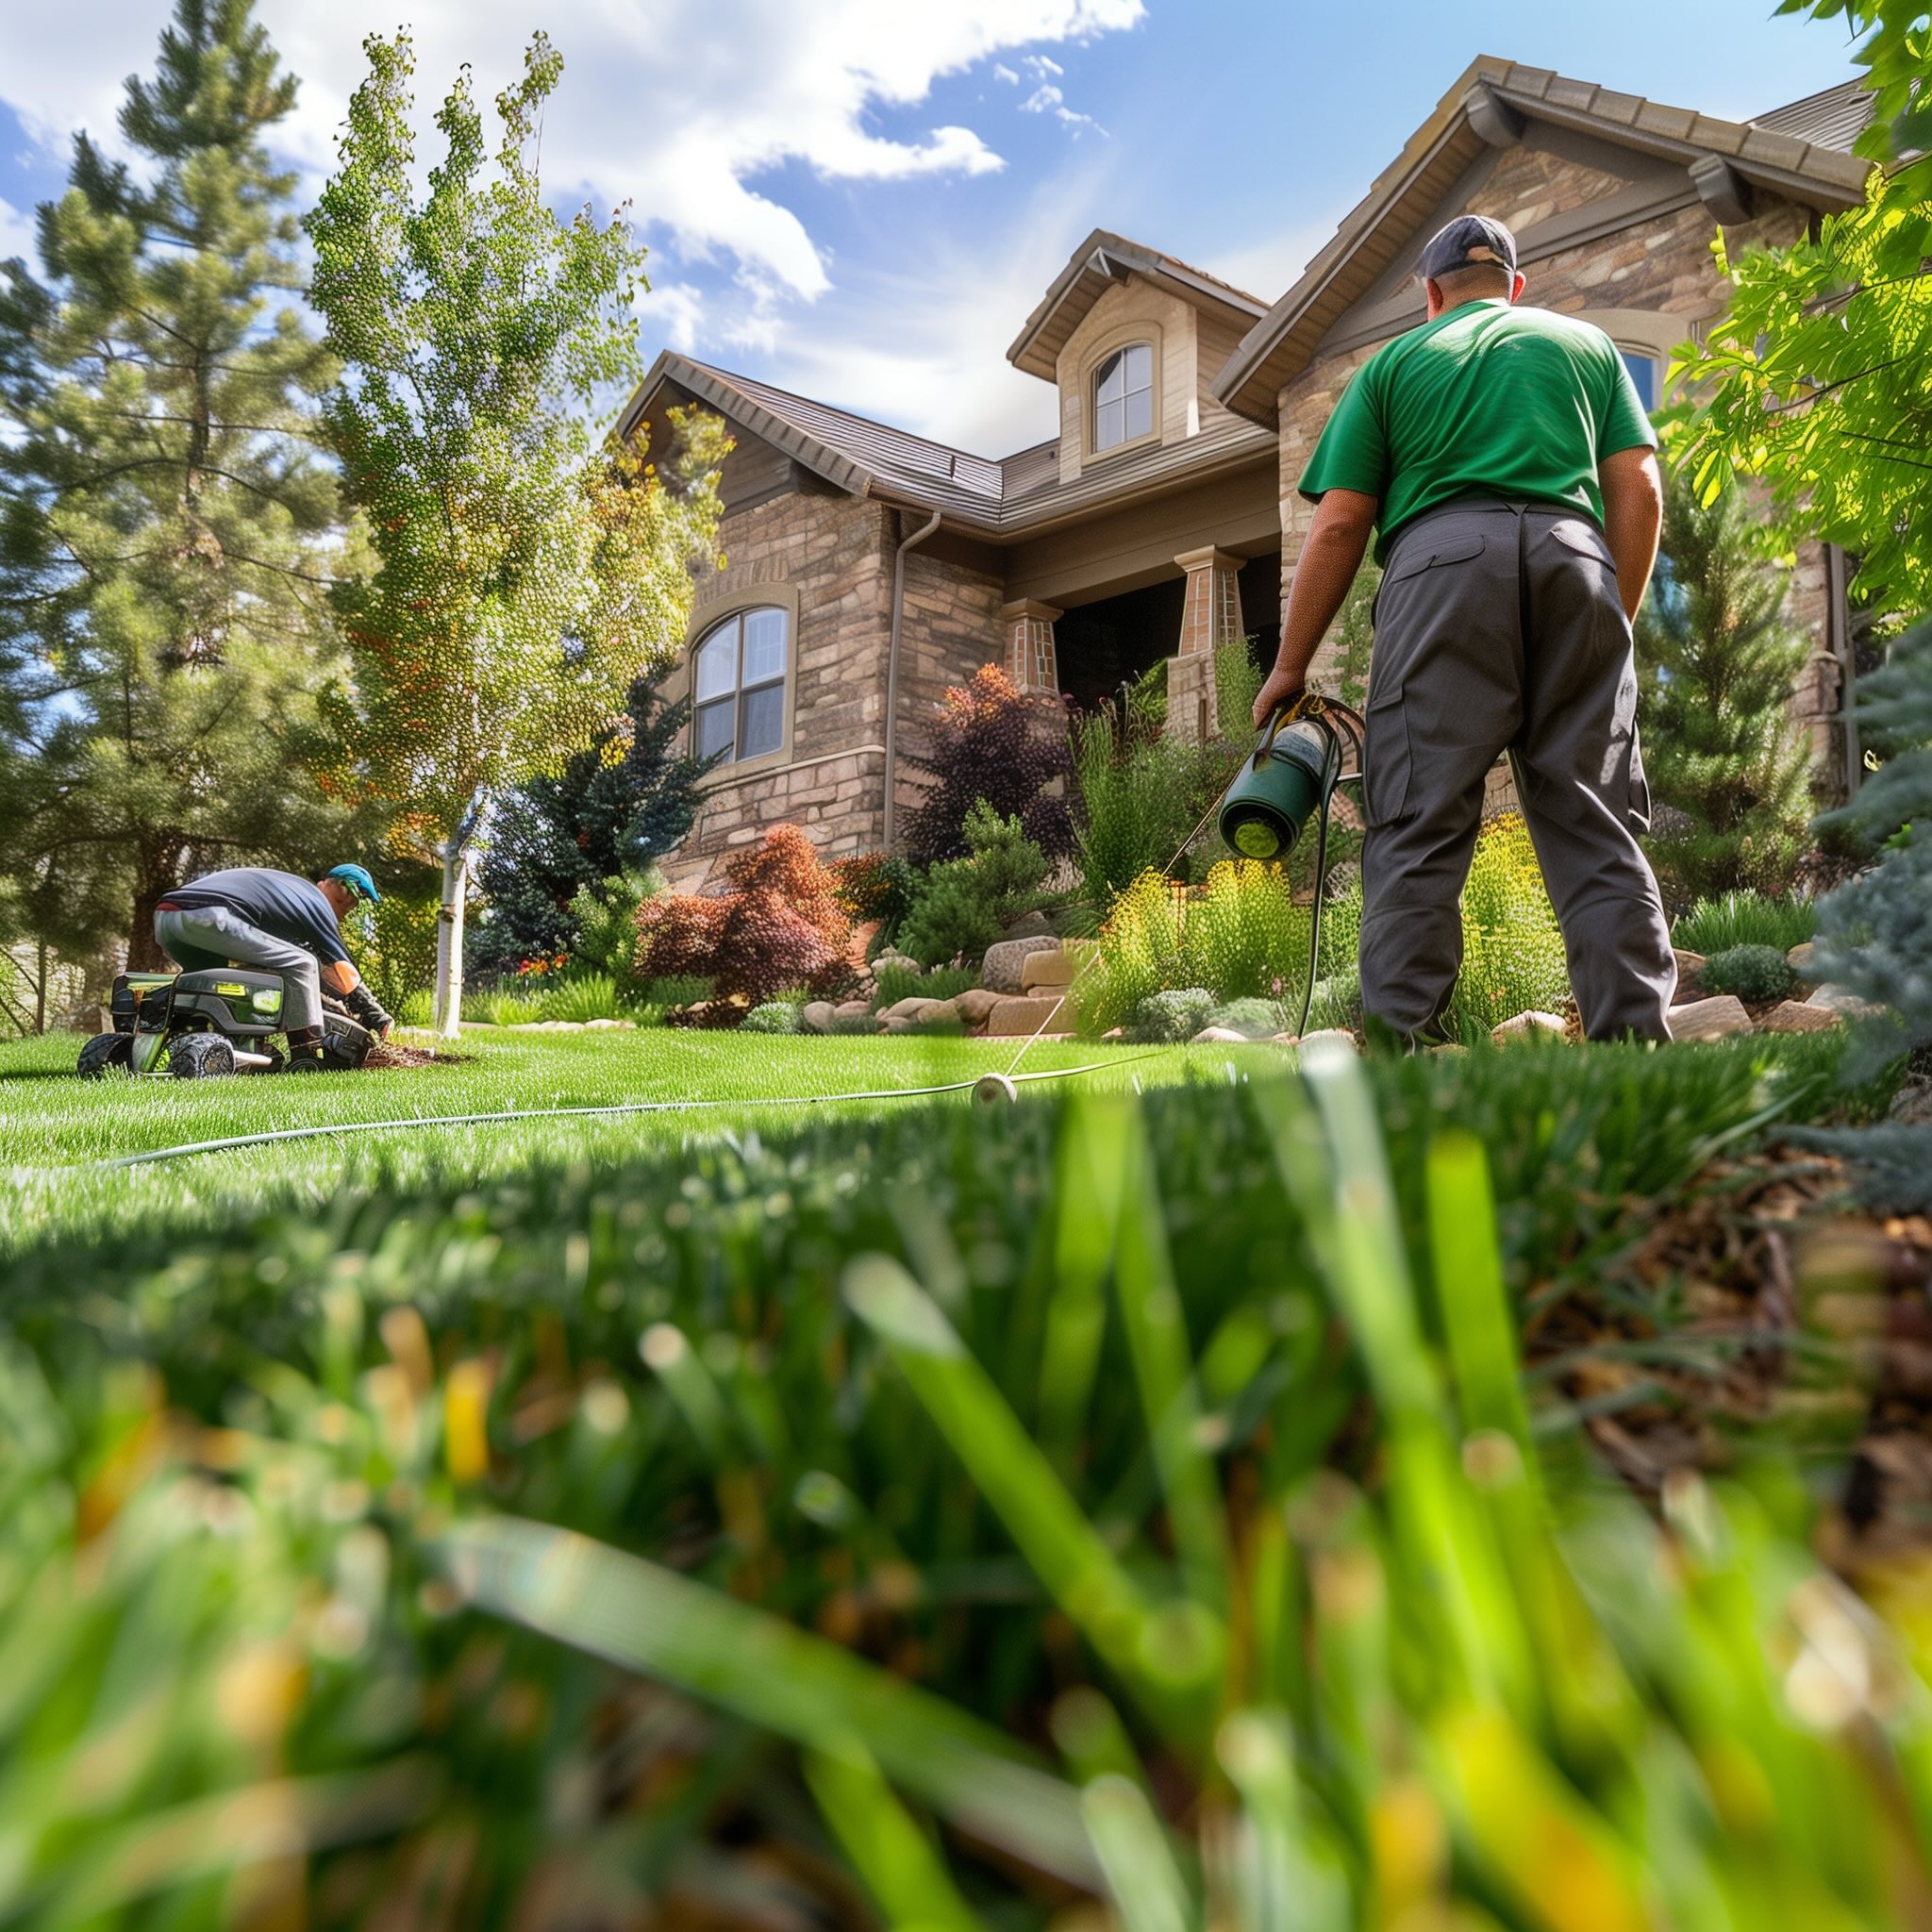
(1210, 616)
(1031, 661)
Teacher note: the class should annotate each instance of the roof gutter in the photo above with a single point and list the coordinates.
(912, 543)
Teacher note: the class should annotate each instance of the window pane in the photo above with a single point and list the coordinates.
(1139, 361)
(1139, 407)
(1643, 373)
(763, 726)
(714, 727)
(718, 662)
(1109, 425)
(1108, 384)
(764, 645)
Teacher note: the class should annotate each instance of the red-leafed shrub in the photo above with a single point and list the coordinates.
(994, 742)
(779, 929)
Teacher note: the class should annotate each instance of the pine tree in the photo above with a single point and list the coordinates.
(616, 808)
(167, 524)
(1719, 662)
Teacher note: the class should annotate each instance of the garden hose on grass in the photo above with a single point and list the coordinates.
(986, 1088)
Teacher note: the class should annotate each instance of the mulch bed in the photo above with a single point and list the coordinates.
(388, 1057)
(1760, 1299)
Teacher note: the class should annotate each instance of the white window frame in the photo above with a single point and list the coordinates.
(1119, 352)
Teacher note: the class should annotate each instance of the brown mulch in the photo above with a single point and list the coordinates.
(389, 1055)
(1759, 1298)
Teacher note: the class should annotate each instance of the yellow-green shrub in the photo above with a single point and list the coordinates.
(1512, 947)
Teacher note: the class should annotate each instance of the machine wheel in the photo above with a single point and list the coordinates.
(102, 1051)
(200, 1056)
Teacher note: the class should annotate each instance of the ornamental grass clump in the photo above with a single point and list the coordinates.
(1756, 973)
(1745, 919)
(1513, 960)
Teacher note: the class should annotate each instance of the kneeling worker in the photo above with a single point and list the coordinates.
(1505, 458)
(251, 916)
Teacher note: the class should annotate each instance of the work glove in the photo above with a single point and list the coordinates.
(368, 1009)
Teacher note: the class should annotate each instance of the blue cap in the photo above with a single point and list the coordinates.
(358, 882)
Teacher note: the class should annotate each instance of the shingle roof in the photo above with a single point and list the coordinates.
(1099, 262)
(1834, 118)
(1804, 165)
(870, 458)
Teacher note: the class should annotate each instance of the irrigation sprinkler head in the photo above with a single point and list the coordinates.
(989, 1089)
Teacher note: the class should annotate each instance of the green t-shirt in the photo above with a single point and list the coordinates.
(1488, 400)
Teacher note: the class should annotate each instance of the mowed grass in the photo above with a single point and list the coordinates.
(57, 1133)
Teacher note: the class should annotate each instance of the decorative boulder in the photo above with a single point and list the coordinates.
(1802, 959)
(898, 961)
(1795, 1016)
(1219, 1036)
(1334, 1035)
(1529, 1026)
(850, 1010)
(1843, 1001)
(908, 1008)
(1689, 966)
(1029, 925)
(1711, 1019)
(817, 1015)
(976, 1004)
(999, 971)
(1017, 1017)
(1044, 968)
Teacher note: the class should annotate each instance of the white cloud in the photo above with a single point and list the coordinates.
(1040, 99)
(677, 105)
(1002, 72)
(17, 233)
(1038, 63)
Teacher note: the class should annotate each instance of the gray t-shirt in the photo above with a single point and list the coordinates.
(282, 904)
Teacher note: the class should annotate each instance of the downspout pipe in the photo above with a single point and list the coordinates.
(912, 543)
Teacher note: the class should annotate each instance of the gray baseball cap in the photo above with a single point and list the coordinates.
(1469, 242)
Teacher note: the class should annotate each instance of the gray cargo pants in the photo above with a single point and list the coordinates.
(213, 935)
(1498, 627)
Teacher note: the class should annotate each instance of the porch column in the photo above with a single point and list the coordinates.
(1210, 616)
(1031, 662)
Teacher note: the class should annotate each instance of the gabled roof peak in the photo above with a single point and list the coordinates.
(1101, 261)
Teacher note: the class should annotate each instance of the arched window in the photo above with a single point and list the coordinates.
(739, 687)
(1124, 396)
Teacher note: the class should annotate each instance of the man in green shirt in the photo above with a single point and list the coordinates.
(1504, 460)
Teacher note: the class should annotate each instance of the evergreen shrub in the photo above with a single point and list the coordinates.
(1756, 973)
(1259, 1019)
(1177, 1014)
(774, 1016)
(965, 904)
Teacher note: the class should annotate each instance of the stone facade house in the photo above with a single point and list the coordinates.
(866, 569)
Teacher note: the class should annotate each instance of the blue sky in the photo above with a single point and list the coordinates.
(862, 199)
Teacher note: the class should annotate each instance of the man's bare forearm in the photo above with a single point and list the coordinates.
(1330, 557)
(1633, 516)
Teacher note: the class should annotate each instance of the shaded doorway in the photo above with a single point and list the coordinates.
(1111, 641)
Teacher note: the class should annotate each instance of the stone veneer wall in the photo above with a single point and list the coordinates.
(834, 554)
(1662, 265)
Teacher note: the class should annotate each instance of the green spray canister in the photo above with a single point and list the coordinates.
(1294, 769)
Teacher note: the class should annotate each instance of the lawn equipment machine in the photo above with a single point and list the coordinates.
(195, 1026)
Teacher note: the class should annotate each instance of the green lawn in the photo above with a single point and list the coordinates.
(58, 1132)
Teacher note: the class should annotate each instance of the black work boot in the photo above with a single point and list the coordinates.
(305, 1050)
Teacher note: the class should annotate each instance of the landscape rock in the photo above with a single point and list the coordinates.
(1219, 1036)
(938, 1012)
(1527, 1026)
(1802, 960)
(816, 1016)
(1000, 970)
(1332, 1033)
(1794, 1016)
(1054, 968)
(899, 1024)
(1843, 1001)
(851, 1009)
(974, 1003)
(1285, 1039)
(1018, 1016)
(1689, 966)
(1711, 1019)
(907, 1009)
(608, 1025)
(1114, 1035)
(893, 957)
(1029, 925)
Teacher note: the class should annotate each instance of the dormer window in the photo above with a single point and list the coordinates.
(1123, 398)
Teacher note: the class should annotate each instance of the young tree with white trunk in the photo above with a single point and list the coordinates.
(527, 571)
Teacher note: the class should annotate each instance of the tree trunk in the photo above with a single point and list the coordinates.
(144, 953)
(448, 1005)
(40, 987)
